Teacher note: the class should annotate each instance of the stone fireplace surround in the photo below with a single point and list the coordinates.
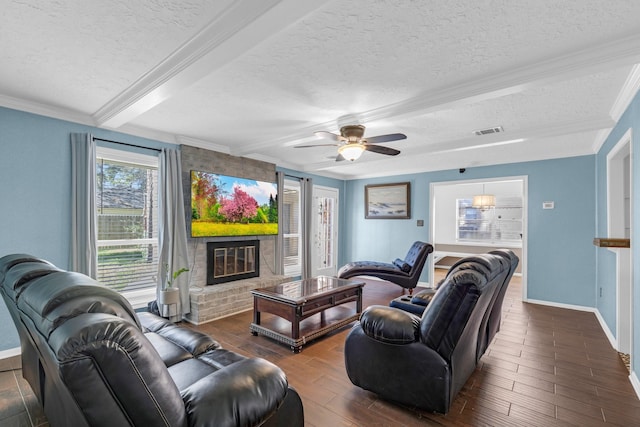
(213, 302)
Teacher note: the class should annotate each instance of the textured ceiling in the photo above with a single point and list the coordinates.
(256, 79)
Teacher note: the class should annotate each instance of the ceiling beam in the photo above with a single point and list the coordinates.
(596, 58)
(240, 27)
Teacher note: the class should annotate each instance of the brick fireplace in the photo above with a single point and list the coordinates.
(230, 261)
(225, 298)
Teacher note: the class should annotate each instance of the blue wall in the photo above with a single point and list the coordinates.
(35, 183)
(560, 251)
(606, 260)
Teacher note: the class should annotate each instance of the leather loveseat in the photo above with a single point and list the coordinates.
(424, 361)
(92, 361)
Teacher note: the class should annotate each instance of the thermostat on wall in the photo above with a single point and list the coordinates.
(547, 205)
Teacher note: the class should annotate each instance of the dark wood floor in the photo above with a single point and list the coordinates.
(547, 366)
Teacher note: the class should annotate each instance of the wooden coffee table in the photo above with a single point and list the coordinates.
(296, 301)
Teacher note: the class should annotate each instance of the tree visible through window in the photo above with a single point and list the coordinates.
(127, 207)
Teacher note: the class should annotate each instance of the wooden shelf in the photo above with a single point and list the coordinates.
(605, 242)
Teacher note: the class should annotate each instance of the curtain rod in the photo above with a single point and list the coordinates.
(127, 144)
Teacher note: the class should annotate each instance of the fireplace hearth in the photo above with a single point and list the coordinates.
(234, 260)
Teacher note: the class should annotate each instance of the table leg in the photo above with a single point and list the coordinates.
(256, 315)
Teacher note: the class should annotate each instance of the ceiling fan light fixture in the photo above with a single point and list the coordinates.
(351, 152)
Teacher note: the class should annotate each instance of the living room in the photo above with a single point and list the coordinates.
(563, 267)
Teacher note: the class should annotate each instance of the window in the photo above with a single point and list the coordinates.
(503, 223)
(127, 208)
(291, 228)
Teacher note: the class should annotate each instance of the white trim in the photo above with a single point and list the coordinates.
(12, 352)
(237, 27)
(616, 228)
(633, 378)
(605, 328)
(201, 143)
(525, 215)
(127, 242)
(561, 305)
(334, 193)
(139, 298)
(620, 105)
(124, 156)
(627, 93)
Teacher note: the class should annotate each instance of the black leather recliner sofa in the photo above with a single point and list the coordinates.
(92, 361)
(417, 303)
(424, 362)
(403, 272)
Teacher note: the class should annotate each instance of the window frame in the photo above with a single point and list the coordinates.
(138, 298)
(494, 222)
(296, 269)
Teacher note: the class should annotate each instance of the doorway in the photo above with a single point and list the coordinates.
(324, 247)
(457, 230)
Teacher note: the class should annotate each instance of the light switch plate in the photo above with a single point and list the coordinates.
(548, 205)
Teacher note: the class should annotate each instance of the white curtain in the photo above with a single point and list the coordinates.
(307, 222)
(84, 230)
(173, 229)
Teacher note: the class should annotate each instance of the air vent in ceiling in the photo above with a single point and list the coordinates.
(488, 131)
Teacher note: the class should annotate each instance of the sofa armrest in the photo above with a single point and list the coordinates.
(390, 325)
(242, 394)
(423, 297)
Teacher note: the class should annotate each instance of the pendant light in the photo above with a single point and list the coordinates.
(484, 201)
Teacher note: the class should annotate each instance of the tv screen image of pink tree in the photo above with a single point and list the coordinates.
(230, 206)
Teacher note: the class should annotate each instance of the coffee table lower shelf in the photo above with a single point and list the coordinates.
(296, 344)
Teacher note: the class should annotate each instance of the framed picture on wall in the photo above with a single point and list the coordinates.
(387, 201)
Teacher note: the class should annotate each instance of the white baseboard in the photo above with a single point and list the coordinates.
(607, 331)
(603, 324)
(561, 305)
(5, 354)
(635, 383)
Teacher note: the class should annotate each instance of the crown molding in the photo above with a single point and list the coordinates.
(627, 93)
(33, 107)
(622, 102)
(201, 143)
(238, 28)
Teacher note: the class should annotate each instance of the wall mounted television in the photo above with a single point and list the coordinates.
(224, 205)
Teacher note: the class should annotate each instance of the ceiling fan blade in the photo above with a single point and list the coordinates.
(328, 135)
(382, 150)
(315, 145)
(385, 138)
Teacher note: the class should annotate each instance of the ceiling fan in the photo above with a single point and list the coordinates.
(351, 143)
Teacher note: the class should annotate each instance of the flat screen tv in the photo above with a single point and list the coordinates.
(230, 206)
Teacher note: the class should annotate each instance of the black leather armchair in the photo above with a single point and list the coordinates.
(92, 361)
(403, 272)
(417, 303)
(424, 361)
